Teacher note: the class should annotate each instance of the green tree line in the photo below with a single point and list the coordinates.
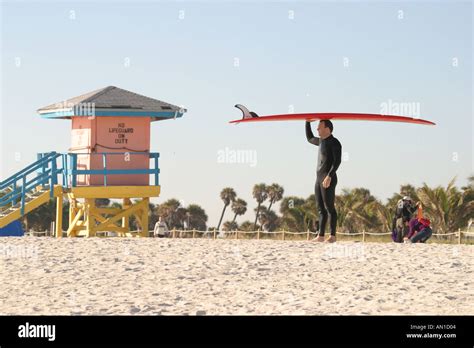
(448, 207)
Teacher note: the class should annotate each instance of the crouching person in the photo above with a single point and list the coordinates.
(419, 231)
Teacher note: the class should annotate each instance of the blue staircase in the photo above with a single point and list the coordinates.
(29, 188)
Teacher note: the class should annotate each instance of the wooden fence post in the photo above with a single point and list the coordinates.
(283, 237)
(214, 234)
(459, 236)
(194, 233)
(363, 236)
(236, 234)
(258, 234)
(174, 232)
(307, 234)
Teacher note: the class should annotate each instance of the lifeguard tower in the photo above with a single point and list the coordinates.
(109, 158)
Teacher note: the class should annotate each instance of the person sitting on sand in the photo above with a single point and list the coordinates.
(161, 229)
(419, 230)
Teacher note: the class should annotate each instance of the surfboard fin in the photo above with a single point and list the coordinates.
(245, 112)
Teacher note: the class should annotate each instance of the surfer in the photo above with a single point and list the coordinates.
(329, 159)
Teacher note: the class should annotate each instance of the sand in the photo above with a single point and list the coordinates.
(132, 276)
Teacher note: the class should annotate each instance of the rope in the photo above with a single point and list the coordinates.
(298, 233)
(350, 234)
(467, 232)
(312, 233)
(378, 234)
(275, 232)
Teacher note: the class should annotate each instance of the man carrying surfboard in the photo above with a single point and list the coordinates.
(329, 159)
(329, 153)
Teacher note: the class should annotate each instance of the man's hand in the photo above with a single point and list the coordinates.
(327, 182)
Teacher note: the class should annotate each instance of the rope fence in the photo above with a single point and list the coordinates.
(175, 233)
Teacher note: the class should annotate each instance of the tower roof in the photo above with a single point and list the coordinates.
(112, 101)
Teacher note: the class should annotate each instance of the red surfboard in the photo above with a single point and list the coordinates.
(249, 116)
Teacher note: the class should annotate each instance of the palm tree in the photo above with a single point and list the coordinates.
(385, 215)
(227, 195)
(260, 194)
(468, 193)
(275, 194)
(293, 213)
(172, 213)
(152, 216)
(268, 219)
(239, 207)
(180, 217)
(357, 210)
(447, 207)
(311, 214)
(346, 204)
(246, 226)
(230, 226)
(197, 217)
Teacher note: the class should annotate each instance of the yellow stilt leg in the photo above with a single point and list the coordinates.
(59, 216)
(144, 219)
(72, 213)
(126, 219)
(90, 220)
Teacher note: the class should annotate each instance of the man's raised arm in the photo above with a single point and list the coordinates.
(309, 134)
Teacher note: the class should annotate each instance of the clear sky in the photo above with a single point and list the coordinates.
(274, 57)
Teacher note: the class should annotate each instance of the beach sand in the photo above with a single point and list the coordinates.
(107, 276)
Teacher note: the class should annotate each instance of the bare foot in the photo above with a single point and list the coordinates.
(331, 239)
(319, 239)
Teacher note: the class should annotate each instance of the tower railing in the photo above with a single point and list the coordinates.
(73, 170)
(20, 185)
(16, 188)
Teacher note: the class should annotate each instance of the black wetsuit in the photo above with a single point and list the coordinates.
(329, 159)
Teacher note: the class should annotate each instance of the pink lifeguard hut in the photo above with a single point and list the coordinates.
(111, 129)
(109, 158)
